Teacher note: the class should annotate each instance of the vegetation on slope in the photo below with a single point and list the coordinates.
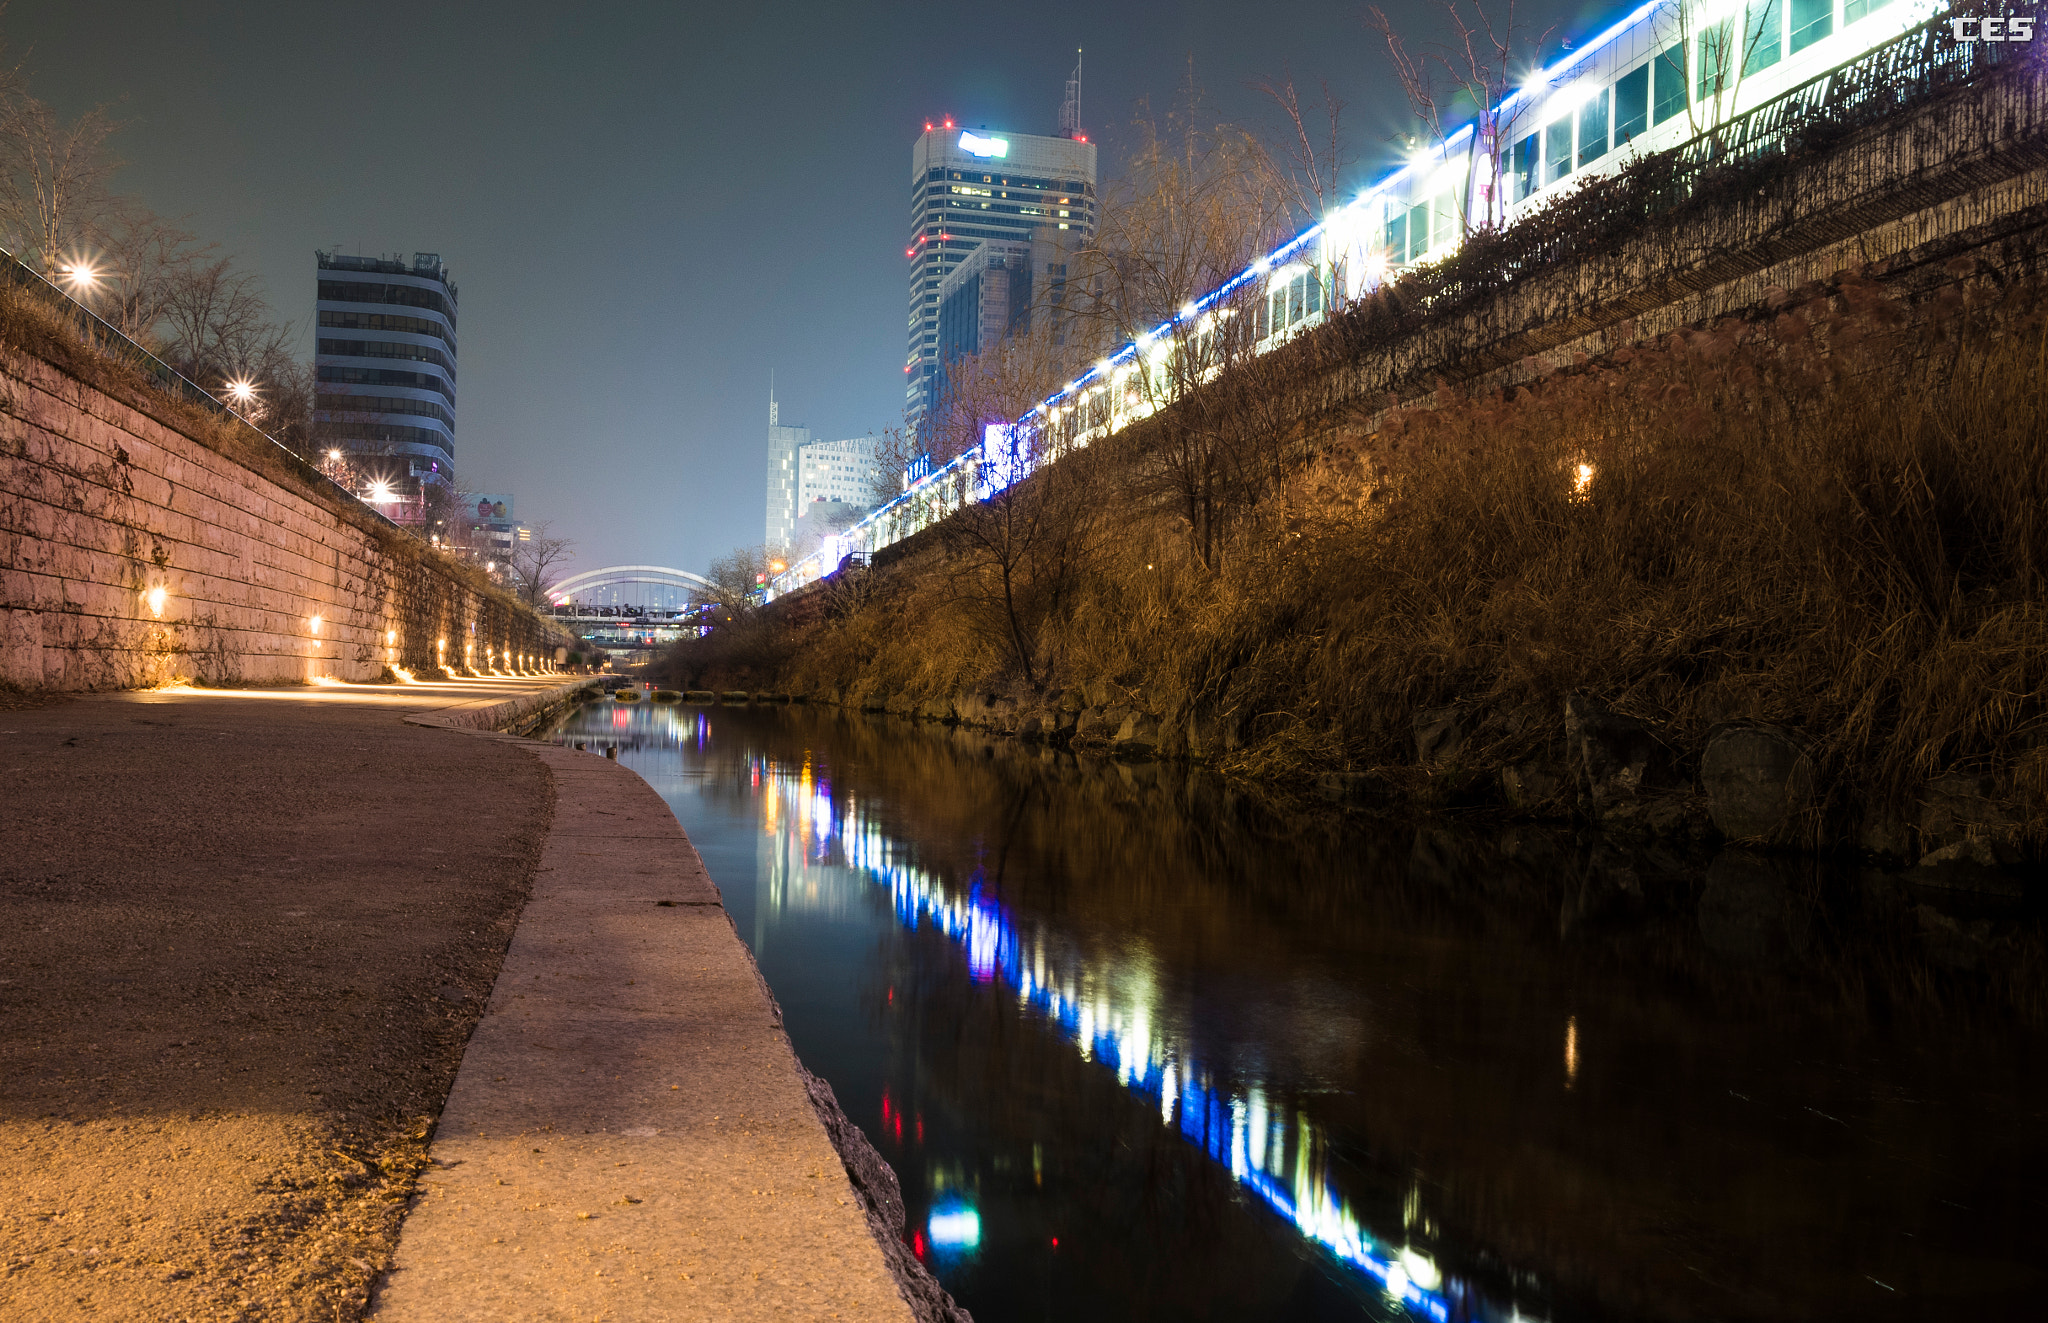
(1827, 515)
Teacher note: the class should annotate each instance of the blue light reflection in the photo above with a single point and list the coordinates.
(1104, 1007)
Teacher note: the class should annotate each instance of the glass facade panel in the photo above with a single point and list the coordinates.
(1557, 150)
(1855, 9)
(1717, 61)
(1593, 129)
(1763, 37)
(1397, 238)
(1524, 170)
(1811, 21)
(1669, 70)
(1418, 230)
(1631, 104)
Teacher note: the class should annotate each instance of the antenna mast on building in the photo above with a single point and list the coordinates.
(1070, 109)
(771, 397)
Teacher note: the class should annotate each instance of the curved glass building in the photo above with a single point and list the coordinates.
(385, 363)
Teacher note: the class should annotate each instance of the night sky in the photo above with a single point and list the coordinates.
(648, 207)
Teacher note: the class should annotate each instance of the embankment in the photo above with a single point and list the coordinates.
(1779, 578)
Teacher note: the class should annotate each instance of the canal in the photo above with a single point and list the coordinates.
(1139, 1049)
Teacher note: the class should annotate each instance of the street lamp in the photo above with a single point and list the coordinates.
(82, 277)
(242, 391)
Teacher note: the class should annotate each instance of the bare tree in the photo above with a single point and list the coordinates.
(1721, 56)
(537, 564)
(737, 576)
(1313, 150)
(1031, 514)
(216, 324)
(1472, 74)
(145, 257)
(1197, 205)
(56, 203)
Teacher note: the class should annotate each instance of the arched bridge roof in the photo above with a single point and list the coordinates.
(613, 575)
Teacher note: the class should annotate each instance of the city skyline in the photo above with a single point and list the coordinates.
(618, 318)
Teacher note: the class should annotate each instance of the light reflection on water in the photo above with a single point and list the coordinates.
(1139, 1052)
(826, 853)
(1103, 1006)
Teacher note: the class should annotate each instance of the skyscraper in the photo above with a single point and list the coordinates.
(969, 187)
(384, 363)
(783, 444)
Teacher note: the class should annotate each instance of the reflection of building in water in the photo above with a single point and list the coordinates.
(820, 855)
(796, 846)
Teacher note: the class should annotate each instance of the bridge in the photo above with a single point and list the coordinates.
(615, 576)
(628, 625)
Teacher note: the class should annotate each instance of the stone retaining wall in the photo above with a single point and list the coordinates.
(143, 542)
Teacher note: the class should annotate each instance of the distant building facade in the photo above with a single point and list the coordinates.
(1002, 289)
(384, 365)
(494, 529)
(783, 444)
(972, 187)
(841, 471)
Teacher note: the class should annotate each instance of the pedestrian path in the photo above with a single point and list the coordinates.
(629, 1135)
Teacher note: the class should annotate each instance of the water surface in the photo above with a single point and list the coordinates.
(1138, 1050)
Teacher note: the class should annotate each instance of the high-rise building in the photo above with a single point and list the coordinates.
(1003, 288)
(783, 445)
(384, 365)
(971, 187)
(841, 471)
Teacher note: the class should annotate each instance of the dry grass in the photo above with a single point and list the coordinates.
(1828, 515)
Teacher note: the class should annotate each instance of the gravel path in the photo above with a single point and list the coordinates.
(246, 936)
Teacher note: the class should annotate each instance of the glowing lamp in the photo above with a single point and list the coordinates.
(976, 145)
(155, 598)
(314, 624)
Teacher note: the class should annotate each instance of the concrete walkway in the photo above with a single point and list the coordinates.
(629, 1136)
(244, 938)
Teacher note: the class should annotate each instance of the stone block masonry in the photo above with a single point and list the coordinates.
(143, 541)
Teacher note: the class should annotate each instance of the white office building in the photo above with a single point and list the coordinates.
(842, 471)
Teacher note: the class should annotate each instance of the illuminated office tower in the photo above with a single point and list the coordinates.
(974, 186)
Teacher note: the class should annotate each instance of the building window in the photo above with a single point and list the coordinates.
(1524, 168)
(1631, 104)
(1763, 41)
(1670, 77)
(1593, 129)
(1811, 21)
(1557, 149)
(1717, 60)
